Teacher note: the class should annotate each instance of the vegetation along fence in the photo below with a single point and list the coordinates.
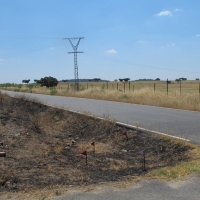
(129, 86)
(161, 86)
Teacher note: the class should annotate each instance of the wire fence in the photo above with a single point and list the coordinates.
(182, 86)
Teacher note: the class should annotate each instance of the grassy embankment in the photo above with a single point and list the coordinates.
(173, 172)
(180, 170)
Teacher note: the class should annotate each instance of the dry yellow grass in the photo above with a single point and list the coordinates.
(144, 93)
(144, 96)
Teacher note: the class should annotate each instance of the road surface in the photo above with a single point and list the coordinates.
(144, 190)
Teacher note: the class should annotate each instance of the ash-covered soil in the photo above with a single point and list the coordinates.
(43, 148)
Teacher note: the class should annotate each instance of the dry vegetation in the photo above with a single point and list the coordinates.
(43, 147)
(143, 93)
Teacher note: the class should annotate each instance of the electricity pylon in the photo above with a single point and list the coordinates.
(75, 47)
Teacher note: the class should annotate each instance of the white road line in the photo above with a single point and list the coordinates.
(127, 125)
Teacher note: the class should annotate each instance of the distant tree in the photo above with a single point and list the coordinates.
(48, 82)
(178, 80)
(157, 79)
(36, 80)
(26, 81)
(96, 79)
(197, 79)
(126, 79)
(121, 79)
(90, 80)
(115, 80)
(64, 80)
(183, 79)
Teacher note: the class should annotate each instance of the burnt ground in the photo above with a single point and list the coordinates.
(43, 146)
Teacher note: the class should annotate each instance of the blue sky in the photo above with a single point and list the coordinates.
(123, 38)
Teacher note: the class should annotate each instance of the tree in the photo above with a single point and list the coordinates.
(64, 80)
(157, 79)
(183, 79)
(178, 80)
(48, 82)
(96, 79)
(121, 79)
(197, 79)
(26, 81)
(126, 79)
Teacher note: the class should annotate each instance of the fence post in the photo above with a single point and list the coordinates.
(199, 88)
(167, 86)
(117, 86)
(124, 87)
(154, 87)
(129, 86)
(180, 87)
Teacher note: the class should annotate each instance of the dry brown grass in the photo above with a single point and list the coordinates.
(144, 96)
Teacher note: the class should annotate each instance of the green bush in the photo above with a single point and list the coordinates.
(125, 96)
(53, 91)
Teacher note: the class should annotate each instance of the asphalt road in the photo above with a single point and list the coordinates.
(180, 123)
(144, 190)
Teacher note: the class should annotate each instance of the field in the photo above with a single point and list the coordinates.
(43, 147)
(183, 95)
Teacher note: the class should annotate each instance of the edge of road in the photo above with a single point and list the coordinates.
(126, 125)
(106, 100)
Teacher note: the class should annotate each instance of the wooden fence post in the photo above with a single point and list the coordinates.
(199, 88)
(154, 87)
(117, 86)
(167, 86)
(124, 87)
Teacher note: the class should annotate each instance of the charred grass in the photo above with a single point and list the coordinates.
(43, 146)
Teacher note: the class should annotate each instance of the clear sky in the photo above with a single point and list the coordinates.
(123, 39)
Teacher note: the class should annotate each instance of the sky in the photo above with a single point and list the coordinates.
(133, 39)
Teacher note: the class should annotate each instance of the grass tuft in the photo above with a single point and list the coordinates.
(180, 170)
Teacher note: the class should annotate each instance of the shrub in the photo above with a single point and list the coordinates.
(53, 91)
(47, 81)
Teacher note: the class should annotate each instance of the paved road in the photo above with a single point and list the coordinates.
(148, 189)
(179, 123)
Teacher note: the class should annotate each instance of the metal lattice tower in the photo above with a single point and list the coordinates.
(75, 47)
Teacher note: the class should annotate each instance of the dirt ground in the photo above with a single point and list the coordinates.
(43, 148)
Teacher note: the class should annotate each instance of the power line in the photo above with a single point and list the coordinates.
(114, 60)
(29, 38)
(32, 49)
